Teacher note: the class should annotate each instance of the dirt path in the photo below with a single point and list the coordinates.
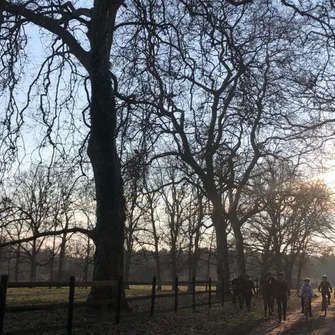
(296, 324)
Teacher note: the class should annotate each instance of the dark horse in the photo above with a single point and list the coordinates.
(237, 285)
(268, 289)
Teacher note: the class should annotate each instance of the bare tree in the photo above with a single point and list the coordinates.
(174, 206)
(151, 224)
(213, 78)
(80, 41)
(30, 207)
(86, 214)
(65, 208)
(295, 213)
(134, 174)
(194, 231)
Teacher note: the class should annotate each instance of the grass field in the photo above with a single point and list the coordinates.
(217, 320)
(45, 295)
(42, 318)
(203, 320)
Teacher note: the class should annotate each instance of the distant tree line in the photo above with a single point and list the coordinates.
(168, 226)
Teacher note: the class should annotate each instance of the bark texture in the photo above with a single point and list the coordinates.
(102, 151)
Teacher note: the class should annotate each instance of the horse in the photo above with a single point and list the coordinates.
(237, 285)
(268, 289)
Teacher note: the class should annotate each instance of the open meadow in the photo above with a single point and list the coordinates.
(45, 295)
(203, 320)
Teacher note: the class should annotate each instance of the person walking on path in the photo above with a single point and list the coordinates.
(249, 287)
(282, 294)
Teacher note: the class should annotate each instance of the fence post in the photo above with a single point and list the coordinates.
(3, 293)
(209, 292)
(222, 292)
(153, 296)
(193, 294)
(176, 295)
(71, 305)
(119, 300)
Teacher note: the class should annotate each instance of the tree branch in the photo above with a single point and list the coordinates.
(52, 26)
(238, 3)
(89, 233)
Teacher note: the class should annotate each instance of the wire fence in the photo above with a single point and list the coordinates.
(114, 314)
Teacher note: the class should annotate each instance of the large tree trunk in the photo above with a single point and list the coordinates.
(108, 258)
(220, 224)
(265, 258)
(223, 269)
(102, 151)
(239, 244)
(277, 254)
(289, 267)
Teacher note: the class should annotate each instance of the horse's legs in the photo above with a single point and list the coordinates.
(240, 303)
(265, 306)
(273, 304)
(234, 300)
(270, 306)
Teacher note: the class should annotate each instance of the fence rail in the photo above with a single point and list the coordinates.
(71, 304)
(100, 283)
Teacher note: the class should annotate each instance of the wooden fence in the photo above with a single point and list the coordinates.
(71, 304)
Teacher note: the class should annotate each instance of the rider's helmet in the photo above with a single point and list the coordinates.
(306, 279)
(324, 276)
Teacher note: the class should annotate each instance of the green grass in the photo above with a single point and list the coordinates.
(216, 320)
(44, 295)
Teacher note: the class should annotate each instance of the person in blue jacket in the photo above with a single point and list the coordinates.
(306, 290)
